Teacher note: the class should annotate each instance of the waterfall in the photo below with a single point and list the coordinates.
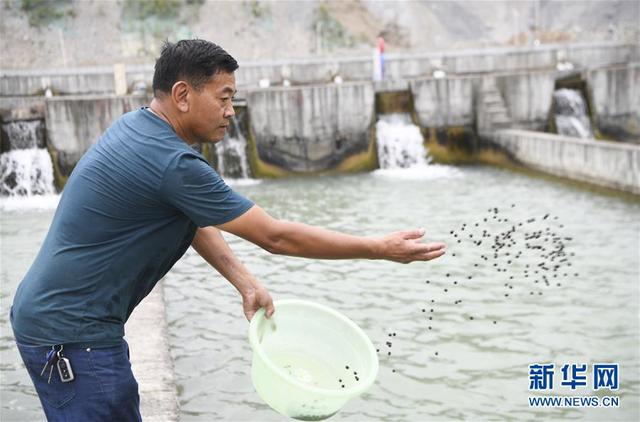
(25, 166)
(23, 134)
(400, 143)
(571, 114)
(233, 165)
(232, 157)
(401, 151)
(26, 172)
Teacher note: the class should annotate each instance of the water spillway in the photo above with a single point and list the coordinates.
(23, 134)
(232, 155)
(400, 143)
(26, 172)
(571, 116)
(25, 165)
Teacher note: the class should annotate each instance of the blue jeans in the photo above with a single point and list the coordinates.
(104, 388)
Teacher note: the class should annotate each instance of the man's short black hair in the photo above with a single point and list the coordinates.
(194, 61)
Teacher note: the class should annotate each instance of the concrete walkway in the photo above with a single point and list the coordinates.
(146, 333)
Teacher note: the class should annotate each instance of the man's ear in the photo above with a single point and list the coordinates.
(180, 95)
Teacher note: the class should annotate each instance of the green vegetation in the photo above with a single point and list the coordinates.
(146, 23)
(162, 9)
(257, 9)
(330, 30)
(43, 12)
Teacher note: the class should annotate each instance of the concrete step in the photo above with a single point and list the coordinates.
(148, 338)
(488, 84)
(490, 89)
(492, 102)
(500, 121)
(499, 126)
(494, 107)
(499, 115)
(491, 97)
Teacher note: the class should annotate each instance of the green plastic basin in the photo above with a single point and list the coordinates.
(309, 360)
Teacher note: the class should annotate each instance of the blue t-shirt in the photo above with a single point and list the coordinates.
(128, 212)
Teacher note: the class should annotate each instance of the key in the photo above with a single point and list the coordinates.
(51, 356)
(64, 368)
(50, 373)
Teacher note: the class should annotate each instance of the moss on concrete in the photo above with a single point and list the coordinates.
(451, 145)
(209, 152)
(59, 177)
(364, 161)
(259, 168)
(394, 102)
(493, 155)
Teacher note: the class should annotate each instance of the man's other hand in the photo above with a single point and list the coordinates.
(257, 298)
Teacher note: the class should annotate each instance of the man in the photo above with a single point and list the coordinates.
(132, 206)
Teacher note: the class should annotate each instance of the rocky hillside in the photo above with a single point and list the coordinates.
(66, 33)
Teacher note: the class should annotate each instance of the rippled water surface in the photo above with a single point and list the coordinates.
(481, 367)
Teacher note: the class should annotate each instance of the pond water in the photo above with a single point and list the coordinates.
(468, 358)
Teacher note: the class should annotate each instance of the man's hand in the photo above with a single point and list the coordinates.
(255, 299)
(210, 244)
(297, 239)
(406, 247)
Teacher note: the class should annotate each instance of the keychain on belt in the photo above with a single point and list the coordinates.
(62, 363)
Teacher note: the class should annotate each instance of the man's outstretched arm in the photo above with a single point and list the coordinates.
(297, 239)
(210, 244)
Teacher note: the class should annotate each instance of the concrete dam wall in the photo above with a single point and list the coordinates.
(307, 129)
(304, 130)
(316, 128)
(311, 128)
(100, 80)
(603, 163)
(75, 123)
(527, 96)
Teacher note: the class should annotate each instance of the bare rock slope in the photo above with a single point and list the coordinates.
(69, 33)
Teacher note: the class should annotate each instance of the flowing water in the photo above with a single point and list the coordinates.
(232, 155)
(400, 143)
(481, 369)
(25, 168)
(571, 114)
(466, 330)
(26, 172)
(23, 134)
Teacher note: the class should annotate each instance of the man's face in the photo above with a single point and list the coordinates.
(211, 108)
